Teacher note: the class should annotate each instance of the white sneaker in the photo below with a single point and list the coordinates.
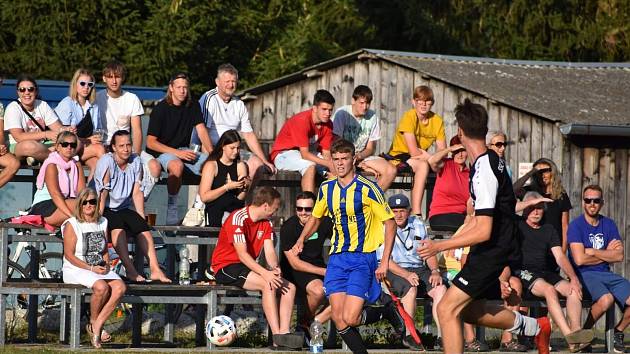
(148, 182)
(171, 215)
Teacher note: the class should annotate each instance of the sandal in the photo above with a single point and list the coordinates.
(105, 336)
(96, 341)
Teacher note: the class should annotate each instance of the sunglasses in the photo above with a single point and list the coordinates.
(65, 144)
(544, 170)
(500, 144)
(24, 89)
(89, 84)
(306, 209)
(458, 151)
(592, 200)
(89, 201)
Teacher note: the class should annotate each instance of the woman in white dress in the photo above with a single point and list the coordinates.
(86, 262)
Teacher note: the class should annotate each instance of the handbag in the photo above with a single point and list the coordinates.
(85, 128)
(195, 216)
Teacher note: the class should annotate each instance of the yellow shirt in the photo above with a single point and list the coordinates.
(357, 211)
(425, 135)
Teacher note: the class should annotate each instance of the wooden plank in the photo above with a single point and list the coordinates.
(606, 174)
(547, 142)
(576, 175)
(268, 121)
(590, 166)
(294, 99)
(280, 115)
(389, 119)
(524, 143)
(347, 84)
(558, 145)
(449, 102)
(494, 116)
(375, 84)
(535, 140)
(438, 95)
(511, 132)
(404, 90)
(503, 118)
(361, 73)
(335, 84)
(256, 117)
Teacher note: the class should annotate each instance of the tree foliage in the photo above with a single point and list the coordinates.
(266, 39)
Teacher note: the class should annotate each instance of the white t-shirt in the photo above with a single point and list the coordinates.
(358, 131)
(117, 112)
(220, 116)
(91, 240)
(14, 117)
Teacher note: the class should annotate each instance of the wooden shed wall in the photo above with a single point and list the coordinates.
(392, 85)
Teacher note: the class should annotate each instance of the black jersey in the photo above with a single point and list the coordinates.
(492, 195)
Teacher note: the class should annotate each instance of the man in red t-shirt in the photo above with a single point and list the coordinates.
(245, 233)
(303, 143)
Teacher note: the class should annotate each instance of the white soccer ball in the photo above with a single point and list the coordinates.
(221, 330)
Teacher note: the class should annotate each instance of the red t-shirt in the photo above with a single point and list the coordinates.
(300, 131)
(451, 192)
(239, 227)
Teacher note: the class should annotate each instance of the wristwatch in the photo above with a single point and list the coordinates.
(435, 271)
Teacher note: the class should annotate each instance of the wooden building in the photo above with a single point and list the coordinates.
(577, 114)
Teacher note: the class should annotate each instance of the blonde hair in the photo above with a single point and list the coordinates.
(64, 134)
(556, 180)
(74, 94)
(78, 207)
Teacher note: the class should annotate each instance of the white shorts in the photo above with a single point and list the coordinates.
(85, 277)
(291, 160)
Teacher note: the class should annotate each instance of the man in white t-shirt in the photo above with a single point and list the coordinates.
(122, 110)
(359, 124)
(223, 111)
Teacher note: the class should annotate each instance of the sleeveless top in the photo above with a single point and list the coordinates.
(91, 240)
(221, 178)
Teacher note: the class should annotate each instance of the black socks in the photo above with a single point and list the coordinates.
(353, 340)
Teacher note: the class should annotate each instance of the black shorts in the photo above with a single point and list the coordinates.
(447, 222)
(234, 274)
(528, 278)
(301, 279)
(400, 285)
(479, 278)
(44, 208)
(126, 219)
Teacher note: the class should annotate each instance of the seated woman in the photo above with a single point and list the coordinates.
(9, 165)
(79, 112)
(86, 262)
(32, 124)
(450, 194)
(224, 179)
(59, 182)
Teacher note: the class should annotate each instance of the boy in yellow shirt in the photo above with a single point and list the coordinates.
(417, 130)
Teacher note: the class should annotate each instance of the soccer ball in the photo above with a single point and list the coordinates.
(221, 330)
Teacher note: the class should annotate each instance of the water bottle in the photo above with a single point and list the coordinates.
(184, 267)
(316, 345)
(420, 229)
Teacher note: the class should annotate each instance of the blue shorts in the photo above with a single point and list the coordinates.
(194, 167)
(599, 284)
(353, 273)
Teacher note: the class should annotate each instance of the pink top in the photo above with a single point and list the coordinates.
(67, 173)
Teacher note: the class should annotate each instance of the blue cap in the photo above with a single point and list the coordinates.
(398, 201)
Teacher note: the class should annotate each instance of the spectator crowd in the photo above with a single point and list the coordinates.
(342, 200)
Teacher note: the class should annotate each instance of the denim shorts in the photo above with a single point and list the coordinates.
(194, 167)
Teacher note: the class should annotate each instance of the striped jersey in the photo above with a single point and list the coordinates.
(357, 210)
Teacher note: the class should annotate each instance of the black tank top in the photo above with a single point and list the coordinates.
(222, 173)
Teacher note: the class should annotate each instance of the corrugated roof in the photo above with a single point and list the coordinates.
(586, 93)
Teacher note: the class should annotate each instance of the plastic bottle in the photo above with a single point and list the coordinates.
(184, 267)
(420, 229)
(316, 345)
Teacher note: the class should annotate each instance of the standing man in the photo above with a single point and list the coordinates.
(223, 111)
(117, 179)
(492, 234)
(307, 270)
(595, 243)
(417, 130)
(359, 212)
(168, 138)
(409, 275)
(540, 277)
(243, 236)
(359, 124)
(122, 110)
(304, 141)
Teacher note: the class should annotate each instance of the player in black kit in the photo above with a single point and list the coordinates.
(491, 233)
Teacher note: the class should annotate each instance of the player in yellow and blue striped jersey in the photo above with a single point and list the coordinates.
(362, 222)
